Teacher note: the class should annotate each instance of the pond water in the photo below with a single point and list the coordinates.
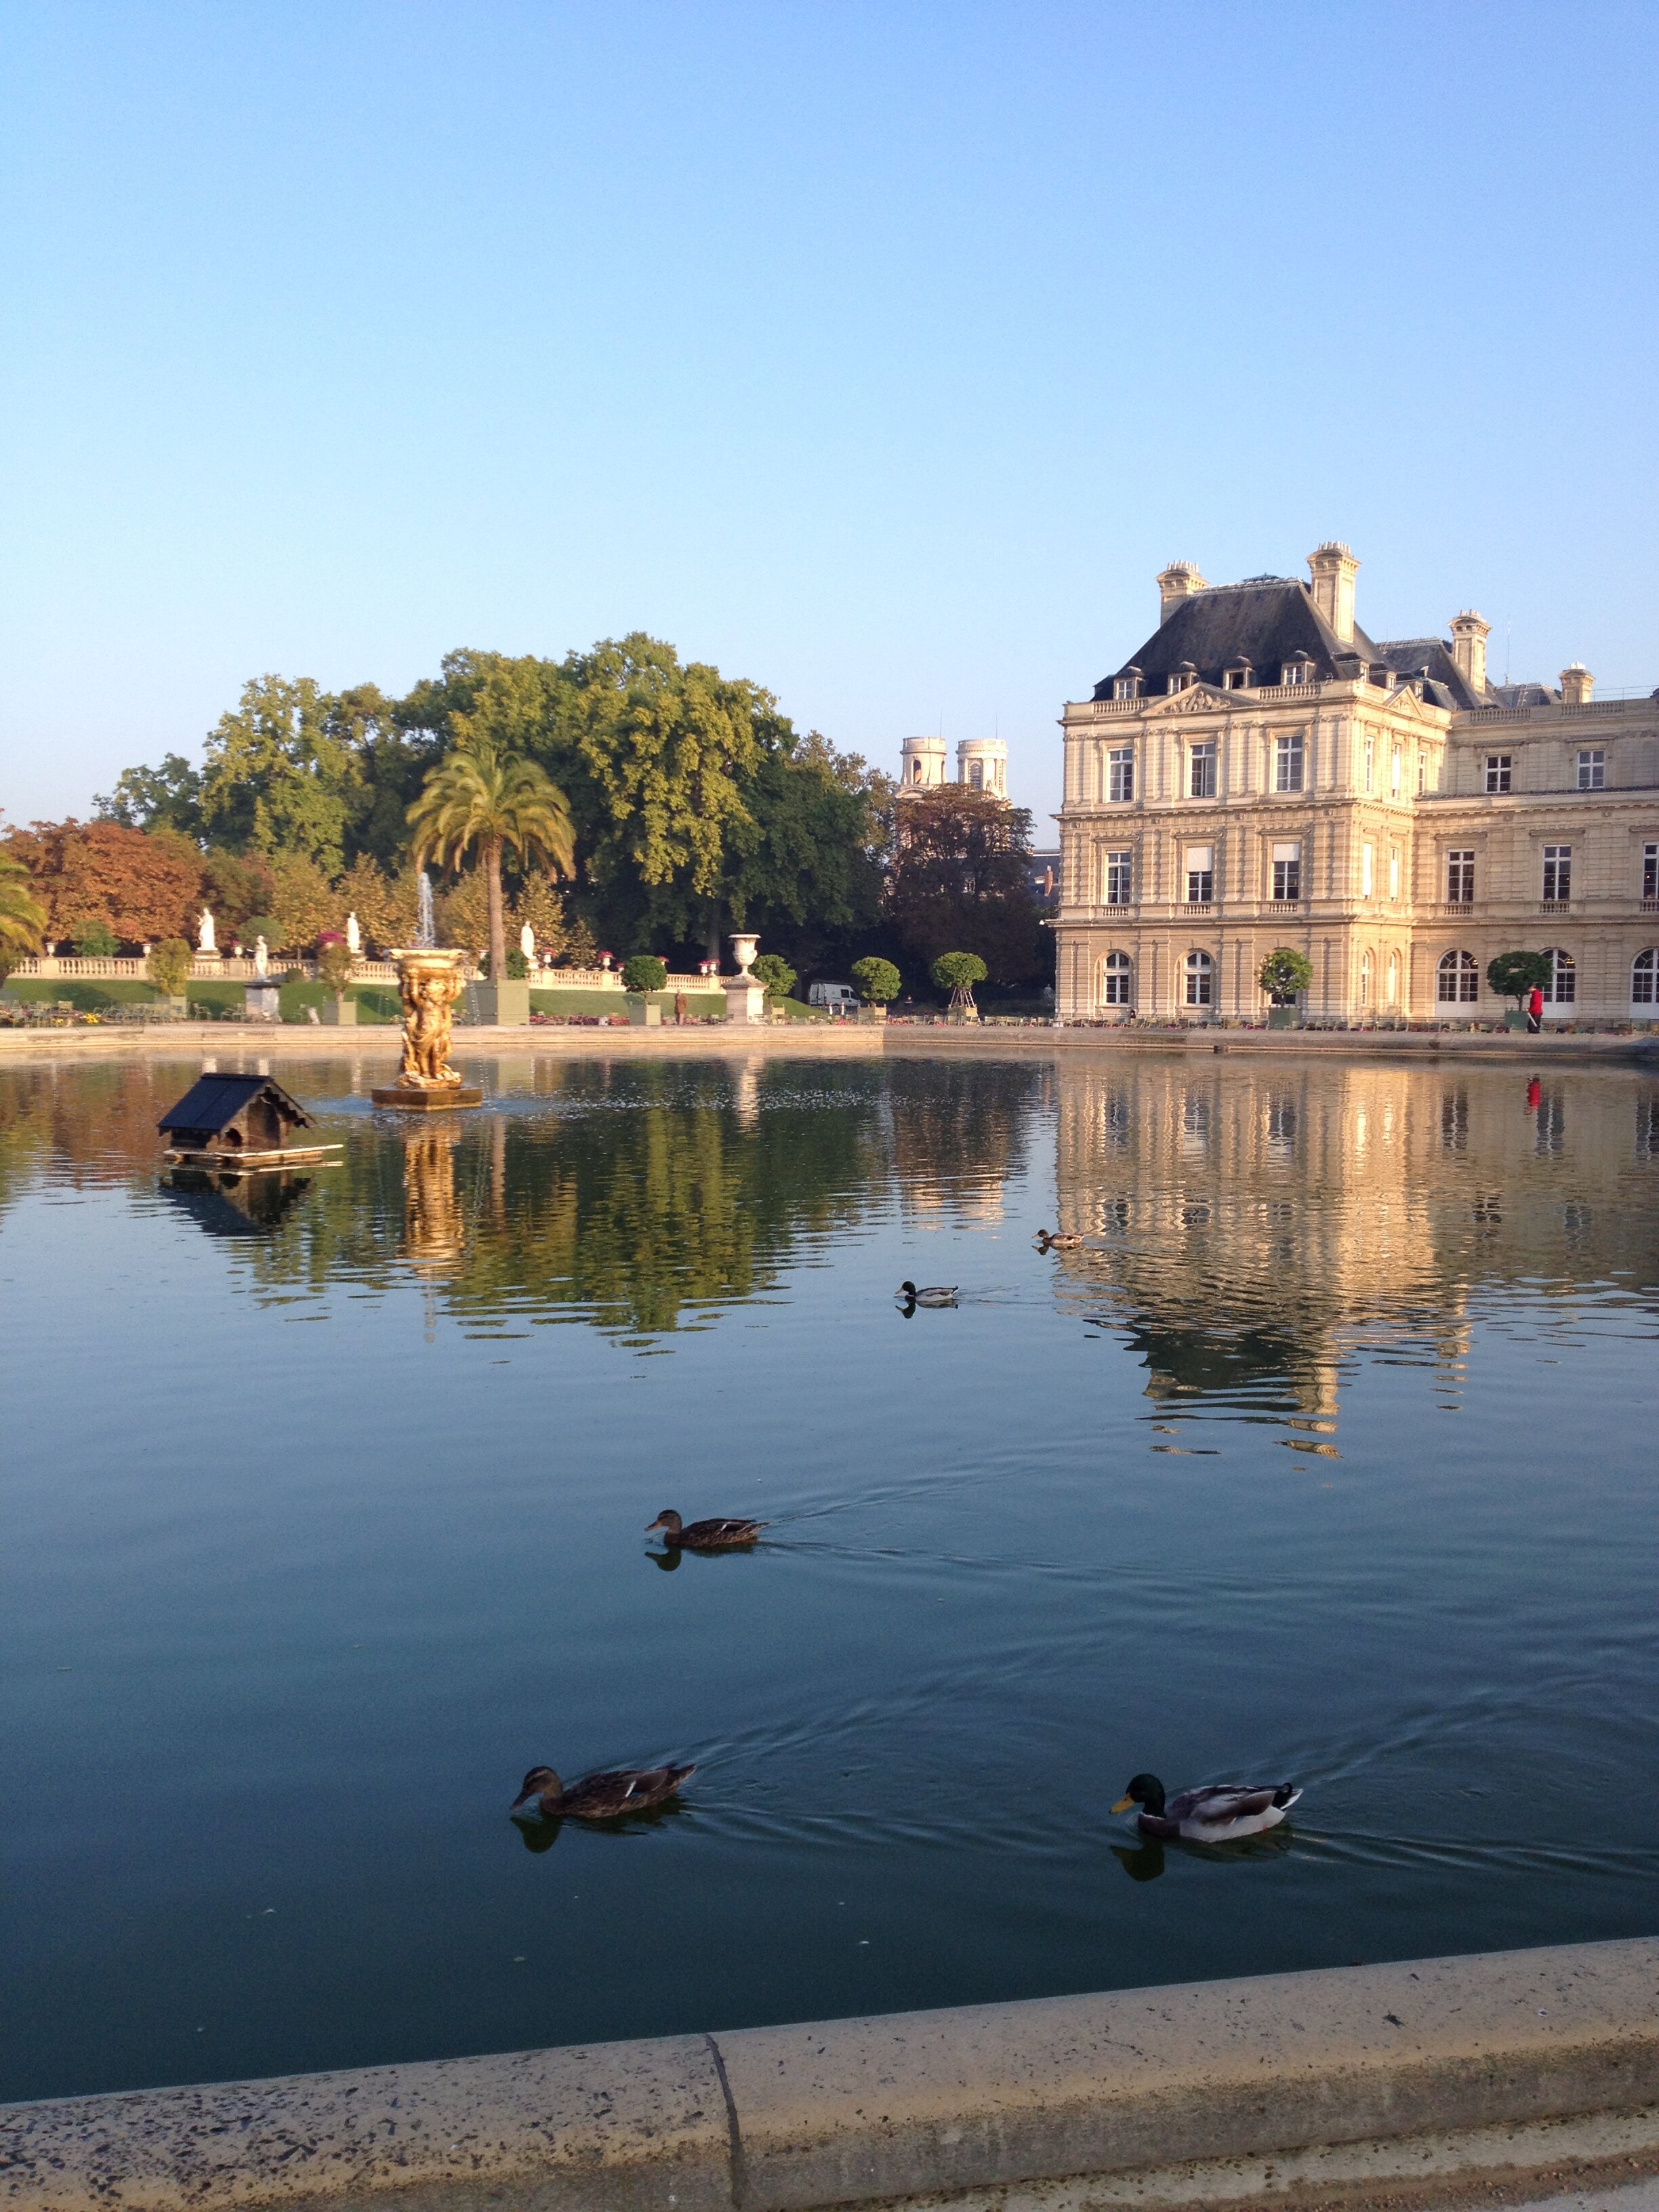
(1330, 1456)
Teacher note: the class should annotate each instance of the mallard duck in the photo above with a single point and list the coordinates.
(1053, 1240)
(704, 1535)
(597, 1797)
(1218, 1815)
(933, 1294)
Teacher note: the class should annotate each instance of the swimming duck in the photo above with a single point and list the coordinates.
(598, 1796)
(1052, 1240)
(704, 1535)
(1218, 1815)
(934, 1294)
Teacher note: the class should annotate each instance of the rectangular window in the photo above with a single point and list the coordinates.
(1367, 864)
(1394, 775)
(1497, 772)
(1201, 874)
(1125, 687)
(1296, 672)
(1460, 878)
(1394, 875)
(1234, 679)
(1121, 773)
(1593, 770)
(1287, 761)
(1558, 872)
(1200, 771)
(1287, 871)
(1118, 879)
(1422, 774)
(1650, 872)
(1370, 764)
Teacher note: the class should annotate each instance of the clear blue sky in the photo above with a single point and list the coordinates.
(882, 353)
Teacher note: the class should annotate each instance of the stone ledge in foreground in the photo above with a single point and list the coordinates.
(932, 2103)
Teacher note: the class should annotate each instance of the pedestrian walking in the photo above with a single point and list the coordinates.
(679, 1009)
(1534, 1010)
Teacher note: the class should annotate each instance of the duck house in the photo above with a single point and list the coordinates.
(238, 1121)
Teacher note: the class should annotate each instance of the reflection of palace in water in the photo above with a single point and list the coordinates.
(1250, 1225)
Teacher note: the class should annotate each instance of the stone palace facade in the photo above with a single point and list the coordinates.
(1262, 774)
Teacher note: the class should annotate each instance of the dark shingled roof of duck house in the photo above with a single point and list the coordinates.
(211, 1110)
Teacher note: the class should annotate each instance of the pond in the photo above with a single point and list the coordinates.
(1329, 1456)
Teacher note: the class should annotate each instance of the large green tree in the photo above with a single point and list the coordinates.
(959, 876)
(485, 798)
(277, 777)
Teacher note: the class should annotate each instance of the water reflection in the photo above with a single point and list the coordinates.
(236, 1204)
(1246, 1232)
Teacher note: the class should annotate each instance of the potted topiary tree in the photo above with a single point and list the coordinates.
(779, 977)
(1513, 975)
(168, 969)
(335, 960)
(957, 973)
(1284, 974)
(876, 981)
(642, 974)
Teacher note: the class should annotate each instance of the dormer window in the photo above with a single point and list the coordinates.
(1183, 677)
(1237, 678)
(1126, 686)
(1299, 670)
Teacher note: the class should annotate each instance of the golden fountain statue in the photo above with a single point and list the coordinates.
(431, 981)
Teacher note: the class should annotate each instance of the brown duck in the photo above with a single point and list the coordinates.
(597, 1797)
(704, 1535)
(1056, 1240)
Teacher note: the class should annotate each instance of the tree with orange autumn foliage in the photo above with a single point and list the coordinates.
(142, 884)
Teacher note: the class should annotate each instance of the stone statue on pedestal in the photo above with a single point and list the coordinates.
(205, 938)
(261, 956)
(354, 936)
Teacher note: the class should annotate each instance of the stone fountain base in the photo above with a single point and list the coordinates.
(428, 1098)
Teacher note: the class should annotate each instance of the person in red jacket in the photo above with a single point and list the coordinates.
(1534, 1010)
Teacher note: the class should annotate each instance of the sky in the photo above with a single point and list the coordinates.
(880, 353)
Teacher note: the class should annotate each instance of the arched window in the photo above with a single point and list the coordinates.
(1200, 979)
(1365, 979)
(1562, 989)
(976, 775)
(1116, 980)
(1643, 977)
(1457, 980)
(1393, 978)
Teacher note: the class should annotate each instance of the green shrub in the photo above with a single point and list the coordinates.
(1284, 973)
(644, 972)
(97, 941)
(958, 971)
(775, 972)
(877, 980)
(1512, 975)
(257, 926)
(168, 967)
(517, 966)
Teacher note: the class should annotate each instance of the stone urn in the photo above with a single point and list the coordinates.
(746, 999)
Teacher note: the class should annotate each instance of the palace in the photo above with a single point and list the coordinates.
(1261, 773)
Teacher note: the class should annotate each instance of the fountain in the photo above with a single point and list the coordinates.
(430, 981)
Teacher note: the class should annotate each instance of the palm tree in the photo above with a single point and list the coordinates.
(22, 918)
(482, 798)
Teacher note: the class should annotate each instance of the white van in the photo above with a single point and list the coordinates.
(834, 997)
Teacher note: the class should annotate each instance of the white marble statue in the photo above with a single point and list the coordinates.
(205, 938)
(261, 956)
(527, 944)
(354, 936)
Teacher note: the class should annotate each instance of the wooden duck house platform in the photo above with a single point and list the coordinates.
(240, 1121)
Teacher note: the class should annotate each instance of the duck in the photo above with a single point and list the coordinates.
(704, 1535)
(1054, 1240)
(932, 1294)
(598, 1796)
(1219, 1814)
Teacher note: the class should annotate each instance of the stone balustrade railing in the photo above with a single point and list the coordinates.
(232, 968)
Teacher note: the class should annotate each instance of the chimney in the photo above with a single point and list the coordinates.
(1577, 685)
(1469, 636)
(1175, 585)
(1333, 568)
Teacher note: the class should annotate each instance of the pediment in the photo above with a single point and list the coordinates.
(1196, 699)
